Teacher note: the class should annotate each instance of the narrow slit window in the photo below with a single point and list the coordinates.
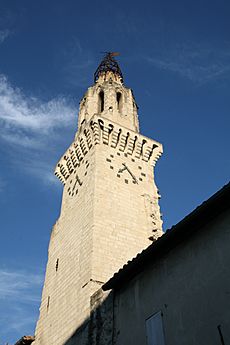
(101, 101)
(57, 262)
(119, 101)
(48, 303)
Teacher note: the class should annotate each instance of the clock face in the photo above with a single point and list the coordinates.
(77, 178)
(128, 169)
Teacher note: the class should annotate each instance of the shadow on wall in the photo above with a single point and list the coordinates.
(98, 328)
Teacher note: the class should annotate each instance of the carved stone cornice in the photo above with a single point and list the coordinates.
(101, 131)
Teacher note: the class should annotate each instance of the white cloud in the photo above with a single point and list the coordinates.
(197, 64)
(19, 286)
(77, 63)
(20, 293)
(3, 35)
(22, 139)
(42, 170)
(34, 129)
(29, 113)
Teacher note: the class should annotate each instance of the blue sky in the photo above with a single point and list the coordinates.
(175, 55)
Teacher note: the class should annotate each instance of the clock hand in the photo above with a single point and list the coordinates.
(74, 185)
(122, 169)
(134, 178)
(78, 180)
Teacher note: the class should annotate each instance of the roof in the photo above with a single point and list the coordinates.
(203, 214)
(26, 340)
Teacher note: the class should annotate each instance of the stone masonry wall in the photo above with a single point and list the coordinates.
(65, 300)
(109, 211)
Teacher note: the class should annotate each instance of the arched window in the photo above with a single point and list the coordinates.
(101, 101)
(119, 101)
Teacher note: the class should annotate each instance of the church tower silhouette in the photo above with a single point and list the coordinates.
(109, 210)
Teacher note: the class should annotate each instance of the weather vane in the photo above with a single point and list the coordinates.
(108, 64)
(111, 54)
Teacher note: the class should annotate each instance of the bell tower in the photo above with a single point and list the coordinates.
(109, 209)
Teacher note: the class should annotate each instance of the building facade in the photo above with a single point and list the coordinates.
(177, 291)
(109, 210)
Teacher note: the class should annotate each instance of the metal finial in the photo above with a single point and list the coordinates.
(108, 64)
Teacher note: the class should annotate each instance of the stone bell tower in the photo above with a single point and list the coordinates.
(109, 209)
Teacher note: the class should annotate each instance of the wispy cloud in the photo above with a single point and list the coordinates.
(19, 294)
(42, 169)
(30, 113)
(77, 63)
(19, 286)
(6, 24)
(3, 35)
(198, 64)
(33, 127)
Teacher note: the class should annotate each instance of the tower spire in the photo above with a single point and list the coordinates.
(108, 64)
